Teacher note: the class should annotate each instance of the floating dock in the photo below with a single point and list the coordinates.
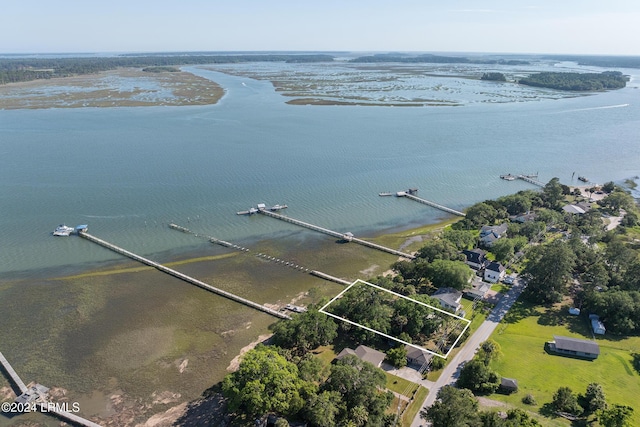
(45, 407)
(412, 196)
(343, 236)
(182, 276)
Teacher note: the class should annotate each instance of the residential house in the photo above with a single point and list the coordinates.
(475, 258)
(478, 291)
(526, 217)
(574, 347)
(417, 358)
(491, 233)
(449, 299)
(494, 272)
(597, 325)
(364, 353)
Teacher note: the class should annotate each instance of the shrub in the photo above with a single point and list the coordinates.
(529, 399)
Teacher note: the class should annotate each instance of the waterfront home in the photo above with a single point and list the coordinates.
(494, 272)
(491, 233)
(574, 347)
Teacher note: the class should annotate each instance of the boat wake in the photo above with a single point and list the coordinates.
(606, 107)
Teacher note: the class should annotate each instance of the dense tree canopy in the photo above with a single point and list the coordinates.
(453, 408)
(305, 331)
(266, 382)
(577, 81)
(548, 272)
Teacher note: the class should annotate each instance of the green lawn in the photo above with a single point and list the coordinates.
(413, 408)
(541, 374)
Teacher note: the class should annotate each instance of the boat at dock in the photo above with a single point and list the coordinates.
(277, 207)
(509, 177)
(63, 230)
(385, 194)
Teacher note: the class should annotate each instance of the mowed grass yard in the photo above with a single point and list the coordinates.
(522, 337)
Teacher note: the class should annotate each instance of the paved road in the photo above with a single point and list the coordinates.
(452, 370)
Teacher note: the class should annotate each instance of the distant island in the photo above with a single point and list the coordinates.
(436, 59)
(577, 81)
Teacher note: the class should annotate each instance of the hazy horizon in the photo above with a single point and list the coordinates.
(586, 27)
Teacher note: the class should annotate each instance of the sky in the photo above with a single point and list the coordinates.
(502, 26)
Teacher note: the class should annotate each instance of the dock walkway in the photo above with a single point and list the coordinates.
(345, 236)
(432, 204)
(45, 407)
(182, 276)
(14, 376)
(531, 180)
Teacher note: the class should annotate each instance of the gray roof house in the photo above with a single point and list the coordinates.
(364, 353)
(417, 357)
(449, 298)
(491, 233)
(574, 347)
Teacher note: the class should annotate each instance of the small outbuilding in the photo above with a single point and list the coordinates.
(508, 385)
(597, 325)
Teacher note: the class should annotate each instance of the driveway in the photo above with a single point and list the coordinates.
(452, 370)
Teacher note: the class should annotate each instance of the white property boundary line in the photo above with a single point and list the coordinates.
(322, 310)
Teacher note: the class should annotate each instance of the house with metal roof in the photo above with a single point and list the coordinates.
(574, 347)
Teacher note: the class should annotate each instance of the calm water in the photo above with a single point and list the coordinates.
(127, 172)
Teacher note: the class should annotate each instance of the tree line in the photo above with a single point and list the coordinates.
(14, 70)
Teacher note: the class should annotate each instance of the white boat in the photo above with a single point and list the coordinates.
(63, 230)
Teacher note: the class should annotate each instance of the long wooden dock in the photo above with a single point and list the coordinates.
(14, 376)
(182, 276)
(345, 236)
(430, 203)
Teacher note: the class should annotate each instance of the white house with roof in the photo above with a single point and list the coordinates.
(494, 272)
(449, 299)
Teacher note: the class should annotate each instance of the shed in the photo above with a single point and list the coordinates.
(597, 325)
(508, 385)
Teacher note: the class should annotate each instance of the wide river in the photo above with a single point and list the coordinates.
(137, 339)
(127, 172)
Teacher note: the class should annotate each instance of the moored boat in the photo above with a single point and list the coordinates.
(63, 230)
(583, 179)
